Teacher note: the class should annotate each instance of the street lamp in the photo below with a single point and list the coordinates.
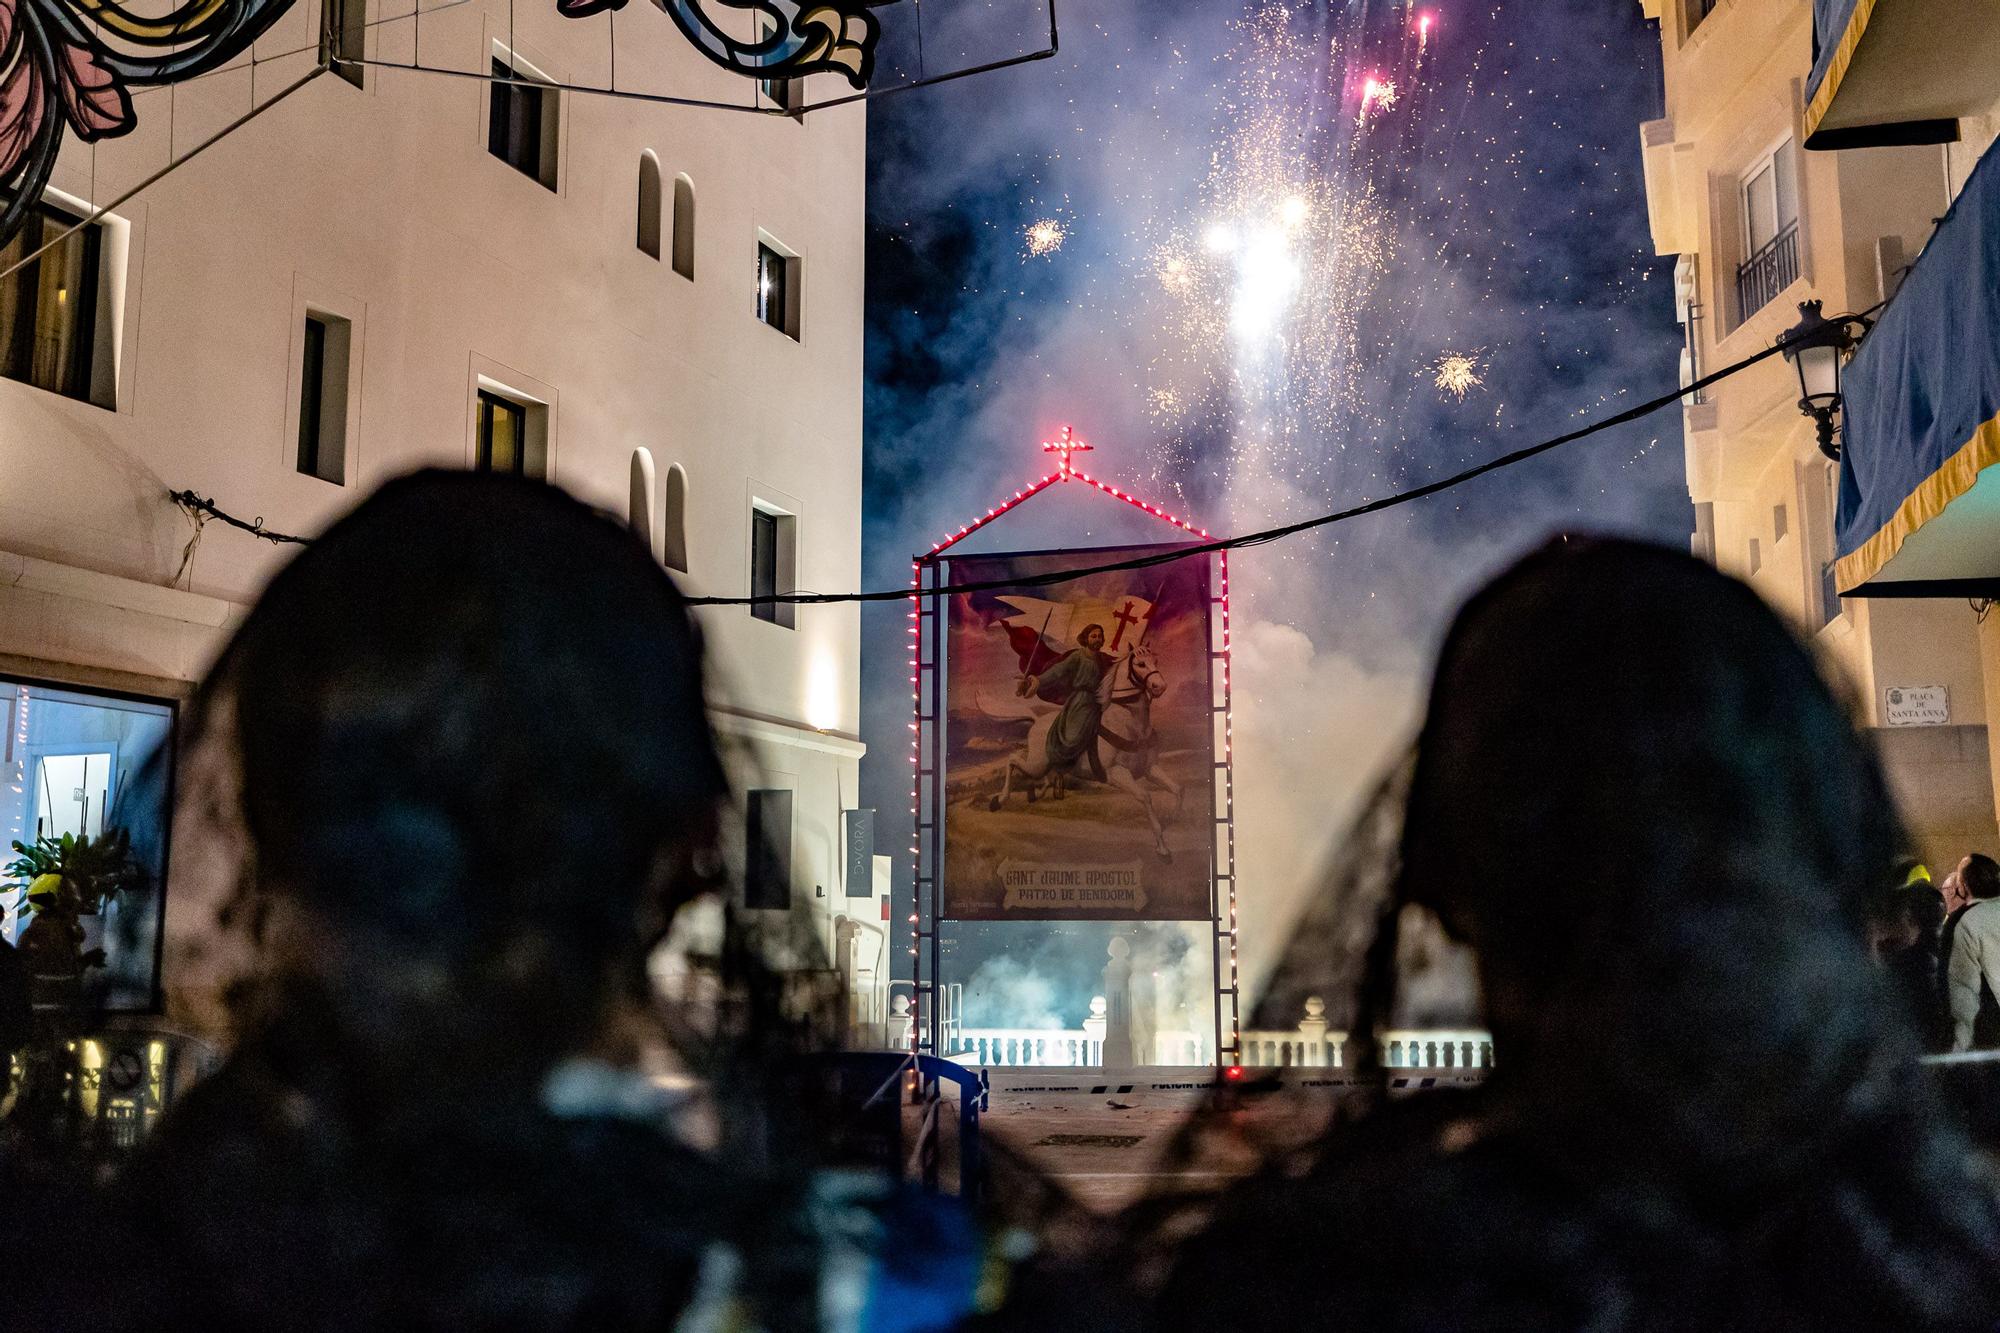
(1816, 347)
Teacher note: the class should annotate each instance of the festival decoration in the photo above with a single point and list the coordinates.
(820, 37)
(71, 64)
(990, 659)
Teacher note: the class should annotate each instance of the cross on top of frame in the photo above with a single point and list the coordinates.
(1065, 444)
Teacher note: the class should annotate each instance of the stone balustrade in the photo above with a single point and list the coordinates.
(1310, 1045)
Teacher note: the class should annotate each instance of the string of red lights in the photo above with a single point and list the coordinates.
(1066, 445)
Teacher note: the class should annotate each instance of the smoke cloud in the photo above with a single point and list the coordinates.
(1495, 209)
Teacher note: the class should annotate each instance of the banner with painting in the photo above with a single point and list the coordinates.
(1079, 767)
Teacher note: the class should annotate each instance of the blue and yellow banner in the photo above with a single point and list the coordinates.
(1922, 394)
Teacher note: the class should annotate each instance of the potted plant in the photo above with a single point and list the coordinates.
(64, 882)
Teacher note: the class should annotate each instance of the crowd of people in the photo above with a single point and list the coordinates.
(471, 766)
(1941, 943)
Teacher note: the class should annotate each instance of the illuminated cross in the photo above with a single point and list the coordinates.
(1065, 444)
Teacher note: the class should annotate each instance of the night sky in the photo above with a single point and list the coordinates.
(1275, 224)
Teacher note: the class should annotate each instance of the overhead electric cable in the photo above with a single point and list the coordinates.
(188, 499)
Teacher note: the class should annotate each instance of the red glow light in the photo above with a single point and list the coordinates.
(1234, 1073)
(1066, 444)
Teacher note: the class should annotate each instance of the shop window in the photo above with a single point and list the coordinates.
(522, 122)
(53, 332)
(767, 850)
(323, 394)
(88, 765)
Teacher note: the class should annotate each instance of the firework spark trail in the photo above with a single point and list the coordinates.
(1282, 281)
(1263, 295)
(1377, 95)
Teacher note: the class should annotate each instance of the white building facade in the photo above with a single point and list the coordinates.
(1761, 224)
(655, 307)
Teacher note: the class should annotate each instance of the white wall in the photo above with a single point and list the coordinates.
(381, 205)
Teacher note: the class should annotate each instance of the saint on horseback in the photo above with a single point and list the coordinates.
(1101, 725)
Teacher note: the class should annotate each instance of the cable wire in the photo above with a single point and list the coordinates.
(189, 500)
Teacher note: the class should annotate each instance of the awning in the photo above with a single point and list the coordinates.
(1919, 496)
(1898, 71)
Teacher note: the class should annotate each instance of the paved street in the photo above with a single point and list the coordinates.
(1106, 1137)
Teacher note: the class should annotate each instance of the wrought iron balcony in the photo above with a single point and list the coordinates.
(1763, 275)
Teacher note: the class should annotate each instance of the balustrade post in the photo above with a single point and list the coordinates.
(1313, 1029)
(1093, 1031)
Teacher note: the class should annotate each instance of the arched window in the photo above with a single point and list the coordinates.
(641, 514)
(649, 203)
(683, 226)
(673, 518)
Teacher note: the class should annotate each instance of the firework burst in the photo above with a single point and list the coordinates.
(1457, 373)
(1044, 236)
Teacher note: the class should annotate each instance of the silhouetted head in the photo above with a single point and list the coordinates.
(1980, 874)
(1639, 805)
(1639, 802)
(476, 768)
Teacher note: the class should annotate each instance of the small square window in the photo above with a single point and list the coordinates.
(777, 289)
(780, 93)
(507, 437)
(773, 565)
(521, 123)
(50, 332)
(323, 382)
(767, 851)
(1780, 524)
(1756, 555)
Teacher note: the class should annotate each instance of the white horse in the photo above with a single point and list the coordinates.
(1125, 740)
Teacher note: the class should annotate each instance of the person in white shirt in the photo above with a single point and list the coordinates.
(1972, 965)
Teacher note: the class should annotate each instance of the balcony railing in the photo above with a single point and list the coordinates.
(1763, 275)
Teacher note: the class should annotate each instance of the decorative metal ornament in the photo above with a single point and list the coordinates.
(817, 37)
(73, 62)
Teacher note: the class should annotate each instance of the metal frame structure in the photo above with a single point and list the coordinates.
(929, 590)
